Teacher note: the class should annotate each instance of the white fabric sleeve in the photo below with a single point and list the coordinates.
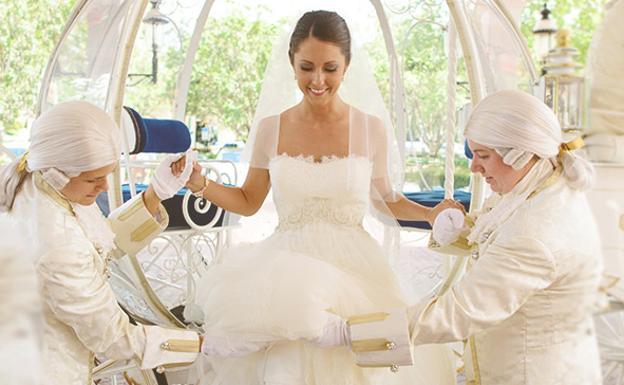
(497, 285)
(369, 138)
(78, 295)
(264, 141)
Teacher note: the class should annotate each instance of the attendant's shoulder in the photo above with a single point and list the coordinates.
(43, 218)
(548, 213)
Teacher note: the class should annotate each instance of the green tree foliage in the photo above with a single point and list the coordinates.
(580, 17)
(228, 71)
(419, 33)
(28, 33)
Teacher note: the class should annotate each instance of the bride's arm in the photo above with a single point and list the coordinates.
(384, 196)
(386, 199)
(245, 200)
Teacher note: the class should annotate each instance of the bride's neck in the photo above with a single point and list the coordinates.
(327, 112)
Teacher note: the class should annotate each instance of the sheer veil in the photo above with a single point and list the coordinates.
(371, 130)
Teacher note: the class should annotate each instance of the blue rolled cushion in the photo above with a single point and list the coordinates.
(159, 135)
(166, 135)
(430, 199)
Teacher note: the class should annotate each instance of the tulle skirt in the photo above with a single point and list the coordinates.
(280, 289)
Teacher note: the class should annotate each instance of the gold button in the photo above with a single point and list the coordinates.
(394, 368)
(390, 345)
(165, 346)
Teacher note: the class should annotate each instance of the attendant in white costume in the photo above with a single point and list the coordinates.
(327, 161)
(525, 305)
(48, 203)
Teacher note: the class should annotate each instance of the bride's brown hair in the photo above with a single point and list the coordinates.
(324, 25)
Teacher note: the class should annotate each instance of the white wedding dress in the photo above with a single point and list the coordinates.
(319, 258)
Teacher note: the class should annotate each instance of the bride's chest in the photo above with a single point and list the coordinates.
(297, 177)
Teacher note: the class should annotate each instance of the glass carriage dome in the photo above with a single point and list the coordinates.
(144, 54)
(112, 51)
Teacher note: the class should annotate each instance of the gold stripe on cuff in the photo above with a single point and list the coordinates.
(367, 318)
(185, 346)
(374, 365)
(143, 231)
(372, 345)
(130, 211)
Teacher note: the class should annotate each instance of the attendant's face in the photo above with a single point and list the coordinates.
(84, 188)
(319, 67)
(501, 177)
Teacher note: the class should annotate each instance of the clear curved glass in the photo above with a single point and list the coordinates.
(501, 54)
(158, 56)
(88, 54)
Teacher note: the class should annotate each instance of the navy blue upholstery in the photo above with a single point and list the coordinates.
(159, 135)
(430, 199)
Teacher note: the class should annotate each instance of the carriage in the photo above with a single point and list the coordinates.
(95, 59)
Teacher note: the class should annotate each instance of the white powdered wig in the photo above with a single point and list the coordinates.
(68, 139)
(517, 126)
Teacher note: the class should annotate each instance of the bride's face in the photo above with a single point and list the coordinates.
(319, 67)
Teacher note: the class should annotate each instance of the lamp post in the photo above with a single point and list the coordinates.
(544, 32)
(564, 88)
(154, 18)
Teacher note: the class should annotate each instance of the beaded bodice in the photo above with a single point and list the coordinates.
(333, 191)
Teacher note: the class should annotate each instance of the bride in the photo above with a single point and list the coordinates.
(328, 162)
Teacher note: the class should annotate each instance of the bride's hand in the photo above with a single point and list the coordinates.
(196, 180)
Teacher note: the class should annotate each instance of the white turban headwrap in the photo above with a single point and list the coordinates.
(519, 126)
(68, 139)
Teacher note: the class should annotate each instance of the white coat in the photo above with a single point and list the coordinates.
(81, 316)
(525, 306)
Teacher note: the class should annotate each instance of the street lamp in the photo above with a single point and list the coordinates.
(154, 18)
(544, 32)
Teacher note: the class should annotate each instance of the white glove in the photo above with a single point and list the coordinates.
(166, 184)
(334, 333)
(230, 347)
(447, 226)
